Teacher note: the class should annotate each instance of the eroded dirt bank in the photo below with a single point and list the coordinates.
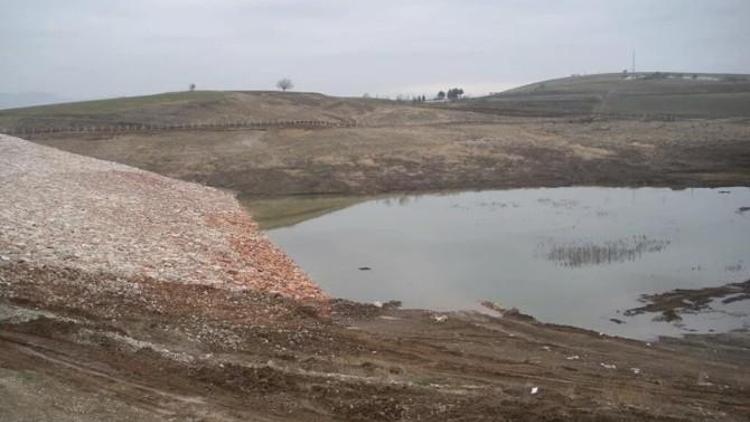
(110, 312)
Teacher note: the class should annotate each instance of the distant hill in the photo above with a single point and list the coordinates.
(227, 106)
(678, 94)
(674, 94)
(25, 99)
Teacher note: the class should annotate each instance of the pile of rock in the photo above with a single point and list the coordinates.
(61, 209)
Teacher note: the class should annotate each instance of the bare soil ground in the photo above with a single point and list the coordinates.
(189, 352)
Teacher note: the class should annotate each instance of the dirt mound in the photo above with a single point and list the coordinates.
(61, 209)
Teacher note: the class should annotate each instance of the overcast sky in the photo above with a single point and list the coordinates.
(97, 48)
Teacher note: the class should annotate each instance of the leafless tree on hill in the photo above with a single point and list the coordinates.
(284, 84)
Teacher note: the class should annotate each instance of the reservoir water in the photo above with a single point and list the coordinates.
(578, 256)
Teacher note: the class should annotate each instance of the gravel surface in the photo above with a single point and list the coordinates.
(61, 209)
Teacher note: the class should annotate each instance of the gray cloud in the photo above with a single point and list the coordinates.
(89, 48)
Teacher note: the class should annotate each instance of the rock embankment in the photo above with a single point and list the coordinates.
(61, 209)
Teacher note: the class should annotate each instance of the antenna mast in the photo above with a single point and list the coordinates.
(633, 69)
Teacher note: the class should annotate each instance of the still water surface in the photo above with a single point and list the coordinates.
(577, 256)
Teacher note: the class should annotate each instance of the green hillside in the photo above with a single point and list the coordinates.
(677, 94)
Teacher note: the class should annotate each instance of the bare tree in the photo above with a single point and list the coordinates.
(192, 87)
(284, 84)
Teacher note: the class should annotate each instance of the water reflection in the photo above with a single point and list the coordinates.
(399, 200)
(561, 203)
(735, 268)
(588, 253)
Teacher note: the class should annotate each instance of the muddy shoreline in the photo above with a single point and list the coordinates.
(671, 305)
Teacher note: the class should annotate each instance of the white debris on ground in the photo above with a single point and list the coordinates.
(440, 318)
(62, 209)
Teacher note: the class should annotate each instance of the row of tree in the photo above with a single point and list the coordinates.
(453, 94)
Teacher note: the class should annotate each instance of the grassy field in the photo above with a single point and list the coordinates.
(229, 106)
(678, 94)
(128, 109)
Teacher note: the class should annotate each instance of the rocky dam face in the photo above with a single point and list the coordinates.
(62, 209)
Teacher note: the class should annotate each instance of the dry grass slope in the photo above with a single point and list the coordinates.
(653, 93)
(226, 106)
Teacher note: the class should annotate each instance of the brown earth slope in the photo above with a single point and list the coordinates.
(127, 296)
(527, 152)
